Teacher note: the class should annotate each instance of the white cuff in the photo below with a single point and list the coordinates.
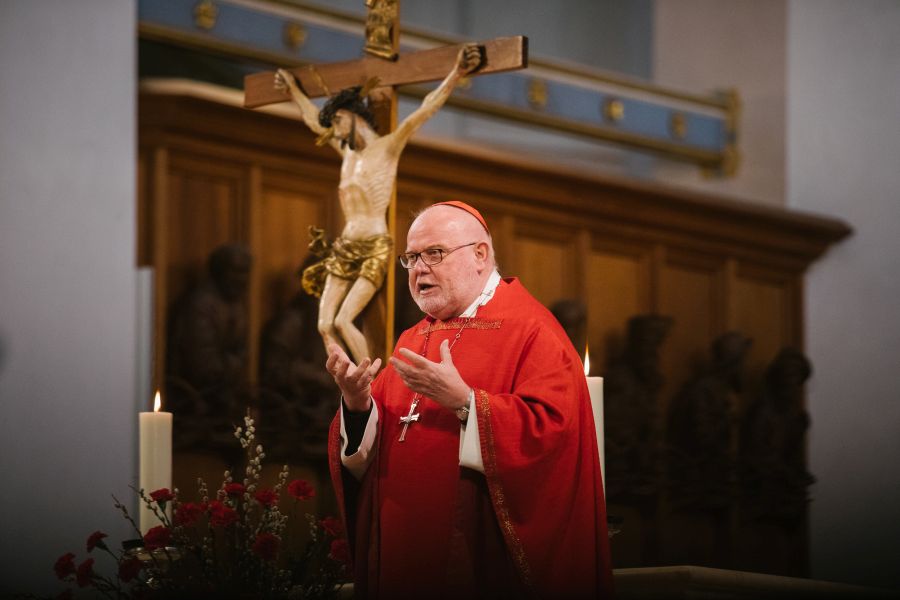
(469, 440)
(359, 461)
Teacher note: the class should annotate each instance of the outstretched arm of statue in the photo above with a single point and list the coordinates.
(467, 60)
(286, 82)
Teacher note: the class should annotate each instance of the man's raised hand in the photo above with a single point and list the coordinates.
(439, 381)
(355, 381)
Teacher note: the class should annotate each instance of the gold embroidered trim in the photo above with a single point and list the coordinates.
(497, 497)
(457, 323)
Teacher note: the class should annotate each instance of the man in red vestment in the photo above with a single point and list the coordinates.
(468, 467)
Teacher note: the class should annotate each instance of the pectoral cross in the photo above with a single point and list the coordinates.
(409, 418)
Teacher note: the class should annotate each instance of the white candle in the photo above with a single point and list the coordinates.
(595, 388)
(156, 457)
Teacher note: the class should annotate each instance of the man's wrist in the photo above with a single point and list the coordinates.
(463, 411)
(358, 406)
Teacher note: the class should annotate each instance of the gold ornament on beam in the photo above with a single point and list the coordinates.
(613, 110)
(205, 14)
(537, 94)
(678, 125)
(294, 35)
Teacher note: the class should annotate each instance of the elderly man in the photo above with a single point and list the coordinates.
(469, 465)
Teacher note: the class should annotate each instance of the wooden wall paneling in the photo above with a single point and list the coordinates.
(544, 260)
(765, 304)
(255, 235)
(286, 213)
(206, 206)
(497, 222)
(692, 292)
(583, 243)
(617, 281)
(657, 264)
(503, 235)
(502, 227)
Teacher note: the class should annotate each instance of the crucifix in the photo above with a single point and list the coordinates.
(354, 266)
(409, 418)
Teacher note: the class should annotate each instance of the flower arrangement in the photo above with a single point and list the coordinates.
(229, 545)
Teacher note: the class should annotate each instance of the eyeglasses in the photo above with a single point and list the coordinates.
(429, 256)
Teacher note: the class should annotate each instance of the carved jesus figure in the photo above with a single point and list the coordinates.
(354, 266)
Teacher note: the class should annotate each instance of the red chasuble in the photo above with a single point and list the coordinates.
(534, 525)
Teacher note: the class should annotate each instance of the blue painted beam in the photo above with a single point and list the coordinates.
(620, 111)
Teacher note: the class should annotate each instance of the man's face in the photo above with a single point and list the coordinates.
(446, 289)
(342, 124)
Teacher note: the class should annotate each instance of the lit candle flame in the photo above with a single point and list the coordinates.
(157, 402)
(587, 361)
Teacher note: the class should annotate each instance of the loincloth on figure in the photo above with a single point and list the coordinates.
(347, 259)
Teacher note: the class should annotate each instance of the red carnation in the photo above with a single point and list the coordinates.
(266, 545)
(301, 490)
(129, 569)
(267, 498)
(340, 551)
(162, 495)
(157, 537)
(221, 515)
(188, 514)
(332, 526)
(95, 540)
(65, 565)
(85, 573)
(234, 489)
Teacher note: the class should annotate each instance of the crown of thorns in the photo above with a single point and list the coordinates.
(351, 99)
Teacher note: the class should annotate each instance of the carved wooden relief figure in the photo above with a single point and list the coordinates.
(207, 363)
(632, 383)
(701, 421)
(572, 315)
(774, 477)
(296, 395)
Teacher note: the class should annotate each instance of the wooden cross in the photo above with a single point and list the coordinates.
(498, 55)
(391, 69)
